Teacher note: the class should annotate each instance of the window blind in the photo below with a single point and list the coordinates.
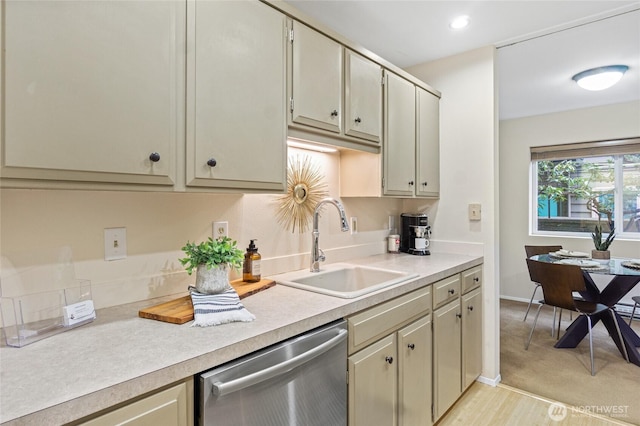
(586, 149)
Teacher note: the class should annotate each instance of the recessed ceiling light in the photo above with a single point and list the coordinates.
(459, 22)
(600, 78)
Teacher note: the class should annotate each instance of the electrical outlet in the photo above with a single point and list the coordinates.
(115, 243)
(475, 211)
(220, 229)
(354, 225)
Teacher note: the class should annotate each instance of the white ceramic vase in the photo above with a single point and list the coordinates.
(212, 281)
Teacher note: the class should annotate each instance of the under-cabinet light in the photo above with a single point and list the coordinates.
(310, 146)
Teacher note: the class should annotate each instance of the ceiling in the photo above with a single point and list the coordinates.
(541, 44)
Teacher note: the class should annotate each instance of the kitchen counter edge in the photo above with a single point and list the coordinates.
(88, 376)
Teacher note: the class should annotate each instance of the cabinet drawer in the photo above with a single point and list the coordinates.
(170, 407)
(368, 326)
(446, 290)
(471, 278)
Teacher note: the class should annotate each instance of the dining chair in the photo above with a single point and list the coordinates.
(558, 283)
(532, 251)
(636, 300)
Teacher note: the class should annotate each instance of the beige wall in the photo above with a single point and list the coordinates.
(468, 156)
(516, 136)
(35, 224)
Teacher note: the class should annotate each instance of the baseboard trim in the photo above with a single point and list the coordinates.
(516, 299)
(488, 381)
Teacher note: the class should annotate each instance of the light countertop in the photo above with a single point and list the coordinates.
(120, 356)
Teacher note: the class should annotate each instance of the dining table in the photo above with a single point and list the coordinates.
(625, 275)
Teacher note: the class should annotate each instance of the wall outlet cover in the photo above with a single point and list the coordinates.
(115, 243)
(220, 229)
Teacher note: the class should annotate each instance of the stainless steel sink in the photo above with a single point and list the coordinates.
(345, 280)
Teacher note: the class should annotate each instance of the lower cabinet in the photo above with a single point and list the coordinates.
(457, 337)
(414, 373)
(446, 357)
(169, 407)
(390, 378)
(471, 337)
(411, 358)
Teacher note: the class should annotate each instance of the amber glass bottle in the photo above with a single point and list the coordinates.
(251, 266)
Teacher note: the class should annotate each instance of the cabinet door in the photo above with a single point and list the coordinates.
(236, 88)
(446, 357)
(316, 80)
(363, 97)
(471, 337)
(427, 144)
(170, 407)
(373, 384)
(92, 89)
(400, 136)
(414, 365)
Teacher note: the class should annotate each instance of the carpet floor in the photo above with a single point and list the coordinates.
(564, 374)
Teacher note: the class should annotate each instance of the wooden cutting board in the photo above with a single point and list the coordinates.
(180, 310)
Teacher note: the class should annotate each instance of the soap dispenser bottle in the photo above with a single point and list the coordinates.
(251, 266)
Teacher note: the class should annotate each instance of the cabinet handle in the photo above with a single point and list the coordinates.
(476, 279)
(358, 120)
(458, 315)
(334, 113)
(451, 291)
(470, 308)
(411, 183)
(211, 162)
(424, 184)
(411, 346)
(389, 359)
(154, 156)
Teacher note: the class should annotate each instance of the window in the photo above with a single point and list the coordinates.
(577, 186)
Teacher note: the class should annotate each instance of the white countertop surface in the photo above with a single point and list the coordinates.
(120, 356)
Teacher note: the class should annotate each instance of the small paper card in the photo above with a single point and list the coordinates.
(79, 312)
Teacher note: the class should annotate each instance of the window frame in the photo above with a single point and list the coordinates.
(616, 148)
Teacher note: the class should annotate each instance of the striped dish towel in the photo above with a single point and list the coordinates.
(221, 308)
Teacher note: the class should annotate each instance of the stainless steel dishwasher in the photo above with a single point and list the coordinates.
(301, 381)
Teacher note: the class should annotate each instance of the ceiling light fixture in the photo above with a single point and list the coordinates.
(600, 78)
(459, 22)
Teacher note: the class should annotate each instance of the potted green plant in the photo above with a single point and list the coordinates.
(601, 244)
(212, 259)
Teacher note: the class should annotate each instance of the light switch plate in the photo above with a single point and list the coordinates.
(115, 243)
(475, 211)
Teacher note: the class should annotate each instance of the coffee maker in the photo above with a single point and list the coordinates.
(415, 233)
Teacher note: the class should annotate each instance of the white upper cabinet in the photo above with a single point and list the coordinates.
(335, 94)
(93, 91)
(427, 144)
(400, 136)
(316, 80)
(236, 91)
(410, 162)
(363, 97)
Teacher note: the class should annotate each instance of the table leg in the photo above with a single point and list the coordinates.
(629, 337)
(576, 332)
(619, 286)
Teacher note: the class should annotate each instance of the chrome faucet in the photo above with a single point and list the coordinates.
(317, 255)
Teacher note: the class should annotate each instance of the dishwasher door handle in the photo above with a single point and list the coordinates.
(220, 388)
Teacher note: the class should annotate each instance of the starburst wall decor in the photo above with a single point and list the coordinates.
(305, 188)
